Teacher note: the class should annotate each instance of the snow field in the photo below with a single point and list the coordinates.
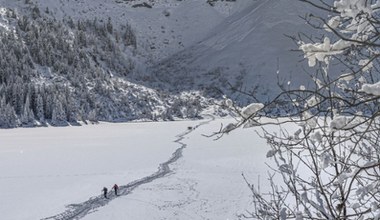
(206, 182)
(45, 169)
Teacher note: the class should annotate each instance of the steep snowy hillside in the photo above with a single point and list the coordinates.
(246, 50)
(115, 60)
(163, 27)
(64, 61)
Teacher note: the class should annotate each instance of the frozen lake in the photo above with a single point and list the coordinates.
(42, 170)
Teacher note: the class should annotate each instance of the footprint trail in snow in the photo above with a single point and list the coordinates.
(78, 211)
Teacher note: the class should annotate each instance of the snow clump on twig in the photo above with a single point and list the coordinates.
(372, 89)
(251, 109)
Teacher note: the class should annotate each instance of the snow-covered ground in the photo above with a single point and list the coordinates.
(45, 169)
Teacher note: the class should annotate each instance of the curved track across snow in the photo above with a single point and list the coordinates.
(77, 211)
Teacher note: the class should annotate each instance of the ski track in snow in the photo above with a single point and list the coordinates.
(80, 210)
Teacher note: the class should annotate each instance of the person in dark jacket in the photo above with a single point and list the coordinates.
(105, 191)
(115, 188)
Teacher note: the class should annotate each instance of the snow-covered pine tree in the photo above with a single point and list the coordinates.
(7, 115)
(40, 112)
(58, 114)
(109, 26)
(27, 117)
(3, 119)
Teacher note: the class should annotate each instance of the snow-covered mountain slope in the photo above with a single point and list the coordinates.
(248, 49)
(77, 60)
(165, 28)
(124, 60)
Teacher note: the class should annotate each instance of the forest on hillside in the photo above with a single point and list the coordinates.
(65, 71)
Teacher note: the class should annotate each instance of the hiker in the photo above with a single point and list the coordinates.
(105, 190)
(115, 187)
